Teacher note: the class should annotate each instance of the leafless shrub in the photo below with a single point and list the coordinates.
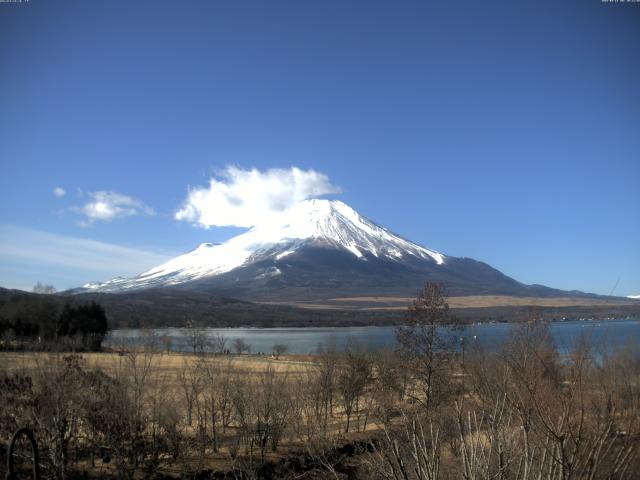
(412, 452)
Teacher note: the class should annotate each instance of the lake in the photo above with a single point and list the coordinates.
(611, 334)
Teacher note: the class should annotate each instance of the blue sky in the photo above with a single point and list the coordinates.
(504, 131)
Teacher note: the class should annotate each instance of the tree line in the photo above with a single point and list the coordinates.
(39, 322)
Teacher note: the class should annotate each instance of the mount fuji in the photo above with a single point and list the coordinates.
(319, 249)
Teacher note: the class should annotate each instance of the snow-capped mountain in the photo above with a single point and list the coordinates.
(331, 223)
(634, 297)
(316, 249)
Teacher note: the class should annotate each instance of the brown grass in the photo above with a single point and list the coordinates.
(471, 301)
(166, 368)
(110, 361)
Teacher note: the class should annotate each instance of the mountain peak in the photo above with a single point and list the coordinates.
(313, 210)
(336, 223)
(321, 206)
(329, 224)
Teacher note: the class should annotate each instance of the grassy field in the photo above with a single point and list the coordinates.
(149, 413)
(188, 387)
(169, 364)
(472, 301)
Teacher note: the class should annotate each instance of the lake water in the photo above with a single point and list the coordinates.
(611, 334)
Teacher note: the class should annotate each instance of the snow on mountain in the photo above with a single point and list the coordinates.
(312, 222)
(634, 297)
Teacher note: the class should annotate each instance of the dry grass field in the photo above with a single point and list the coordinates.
(168, 364)
(229, 411)
(472, 301)
(520, 412)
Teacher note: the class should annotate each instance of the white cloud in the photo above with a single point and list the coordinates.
(59, 192)
(28, 256)
(244, 198)
(105, 206)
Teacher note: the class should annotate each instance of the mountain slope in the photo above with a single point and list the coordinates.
(319, 249)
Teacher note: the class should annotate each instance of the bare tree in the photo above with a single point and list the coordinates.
(353, 376)
(218, 344)
(390, 380)
(150, 341)
(327, 360)
(122, 415)
(216, 389)
(190, 381)
(197, 337)
(280, 349)
(243, 407)
(167, 343)
(309, 408)
(425, 345)
(59, 402)
(240, 346)
(272, 404)
(546, 418)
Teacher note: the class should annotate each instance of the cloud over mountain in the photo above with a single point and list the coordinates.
(244, 198)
